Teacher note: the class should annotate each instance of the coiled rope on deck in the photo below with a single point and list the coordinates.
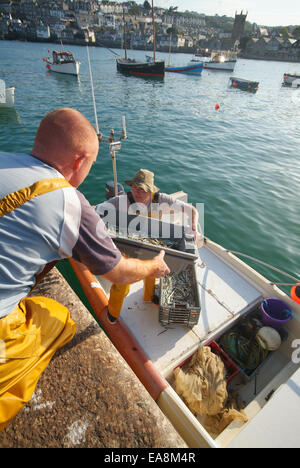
(248, 353)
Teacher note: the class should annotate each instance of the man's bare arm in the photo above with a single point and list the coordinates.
(130, 270)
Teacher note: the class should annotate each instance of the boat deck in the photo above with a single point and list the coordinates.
(224, 297)
(266, 430)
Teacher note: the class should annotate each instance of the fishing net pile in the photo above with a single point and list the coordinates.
(203, 387)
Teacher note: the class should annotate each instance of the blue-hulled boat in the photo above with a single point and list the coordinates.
(245, 85)
(191, 69)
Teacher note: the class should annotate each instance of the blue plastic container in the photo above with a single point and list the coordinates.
(275, 313)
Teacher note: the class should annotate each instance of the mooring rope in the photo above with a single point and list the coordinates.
(297, 280)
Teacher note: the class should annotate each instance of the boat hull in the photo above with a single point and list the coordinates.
(132, 67)
(71, 68)
(244, 85)
(9, 98)
(195, 69)
(228, 65)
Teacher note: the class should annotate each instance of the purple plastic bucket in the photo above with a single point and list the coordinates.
(275, 313)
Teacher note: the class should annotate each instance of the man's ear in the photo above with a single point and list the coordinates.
(77, 163)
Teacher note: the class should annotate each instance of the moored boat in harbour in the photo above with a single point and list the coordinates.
(291, 79)
(244, 85)
(148, 68)
(139, 68)
(62, 62)
(227, 65)
(220, 62)
(191, 68)
(217, 62)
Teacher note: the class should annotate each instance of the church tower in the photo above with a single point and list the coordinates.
(239, 26)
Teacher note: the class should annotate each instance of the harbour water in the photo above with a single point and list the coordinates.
(242, 160)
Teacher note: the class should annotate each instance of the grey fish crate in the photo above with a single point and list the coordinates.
(179, 301)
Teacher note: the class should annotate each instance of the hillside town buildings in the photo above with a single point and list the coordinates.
(101, 23)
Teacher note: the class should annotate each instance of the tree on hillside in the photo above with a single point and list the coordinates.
(147, 6)
(243, 42)
(172, 9)
(284, 32)
(173, 30)
(134, 10)
(296, 32)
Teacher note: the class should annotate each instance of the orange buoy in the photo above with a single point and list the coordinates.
(217, 106)
(295, 293)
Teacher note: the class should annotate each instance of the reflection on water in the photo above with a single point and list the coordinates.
(63, 78)
(9, 115)
(147, 78)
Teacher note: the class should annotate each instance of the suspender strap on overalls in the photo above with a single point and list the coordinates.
(16, 199)
(154, 197)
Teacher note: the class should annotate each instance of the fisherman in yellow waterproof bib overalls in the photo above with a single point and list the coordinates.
(144, 198)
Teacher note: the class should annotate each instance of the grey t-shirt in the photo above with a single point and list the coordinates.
(55, 225)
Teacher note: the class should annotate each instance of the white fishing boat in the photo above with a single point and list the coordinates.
(62, 62)
(8, 100)
(216, 62)
(220, 62)
(229, 291)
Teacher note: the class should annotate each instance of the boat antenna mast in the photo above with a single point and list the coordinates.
(170, 48)
(114, 146)
(153, 29)
(124, 34)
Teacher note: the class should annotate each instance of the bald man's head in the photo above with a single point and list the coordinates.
(66, 140)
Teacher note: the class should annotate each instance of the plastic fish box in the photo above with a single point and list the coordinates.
(232, 369)
(136, 248)
(179, 299)
(139, 228)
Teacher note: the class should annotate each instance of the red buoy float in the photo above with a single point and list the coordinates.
(295, 293)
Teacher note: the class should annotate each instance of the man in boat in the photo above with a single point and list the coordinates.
(146, 198)
(44, 218)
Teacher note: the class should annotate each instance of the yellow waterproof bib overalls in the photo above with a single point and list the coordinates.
(33, 331)
(118, 292)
